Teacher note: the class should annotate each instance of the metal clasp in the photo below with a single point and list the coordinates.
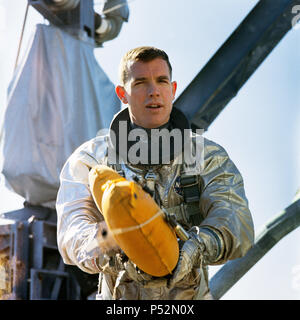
(150, 175)
(150, 178)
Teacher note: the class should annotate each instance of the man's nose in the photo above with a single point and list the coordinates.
(153, 90)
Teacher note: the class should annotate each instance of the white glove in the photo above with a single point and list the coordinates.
(142, 278)
(102, 248)
(203, 246)
(135, 273)
(105, 240)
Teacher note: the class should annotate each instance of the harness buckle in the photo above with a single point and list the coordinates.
(188, 181)
(150, 179)
(150, 175)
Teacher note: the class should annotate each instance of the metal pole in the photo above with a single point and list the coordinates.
(21, 38)
(275, 230)
(236, 60)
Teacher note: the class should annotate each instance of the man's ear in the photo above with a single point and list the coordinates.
(120, 91)
(174, 88)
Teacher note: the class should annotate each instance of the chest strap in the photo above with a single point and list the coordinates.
(189, 185)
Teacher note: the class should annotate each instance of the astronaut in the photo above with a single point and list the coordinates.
(207, 198)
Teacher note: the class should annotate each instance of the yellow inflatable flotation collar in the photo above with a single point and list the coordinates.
(135, 220)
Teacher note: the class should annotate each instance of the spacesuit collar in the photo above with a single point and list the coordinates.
(121, 127)
(164, 126)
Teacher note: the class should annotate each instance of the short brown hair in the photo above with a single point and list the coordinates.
(144, 54)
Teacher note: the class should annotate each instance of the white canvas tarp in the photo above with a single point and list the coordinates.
(58, 99)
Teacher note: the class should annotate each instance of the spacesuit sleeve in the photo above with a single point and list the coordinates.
(77, 214)
(223, 202)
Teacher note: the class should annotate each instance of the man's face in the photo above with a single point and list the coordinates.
(148, 92)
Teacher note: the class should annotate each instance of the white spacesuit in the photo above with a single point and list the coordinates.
(211, 205)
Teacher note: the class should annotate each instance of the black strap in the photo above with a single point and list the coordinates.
(189, 185)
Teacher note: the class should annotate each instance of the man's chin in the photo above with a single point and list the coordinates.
(154, 125)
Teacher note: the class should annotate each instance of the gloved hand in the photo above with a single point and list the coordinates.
(111, 257)
(202, 247)
(102, 250)
(106, 242)
(136, 274)
(142, 278)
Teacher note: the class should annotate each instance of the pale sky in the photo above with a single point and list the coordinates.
(259, 128)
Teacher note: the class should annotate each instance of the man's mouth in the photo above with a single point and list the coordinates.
(153, 106)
